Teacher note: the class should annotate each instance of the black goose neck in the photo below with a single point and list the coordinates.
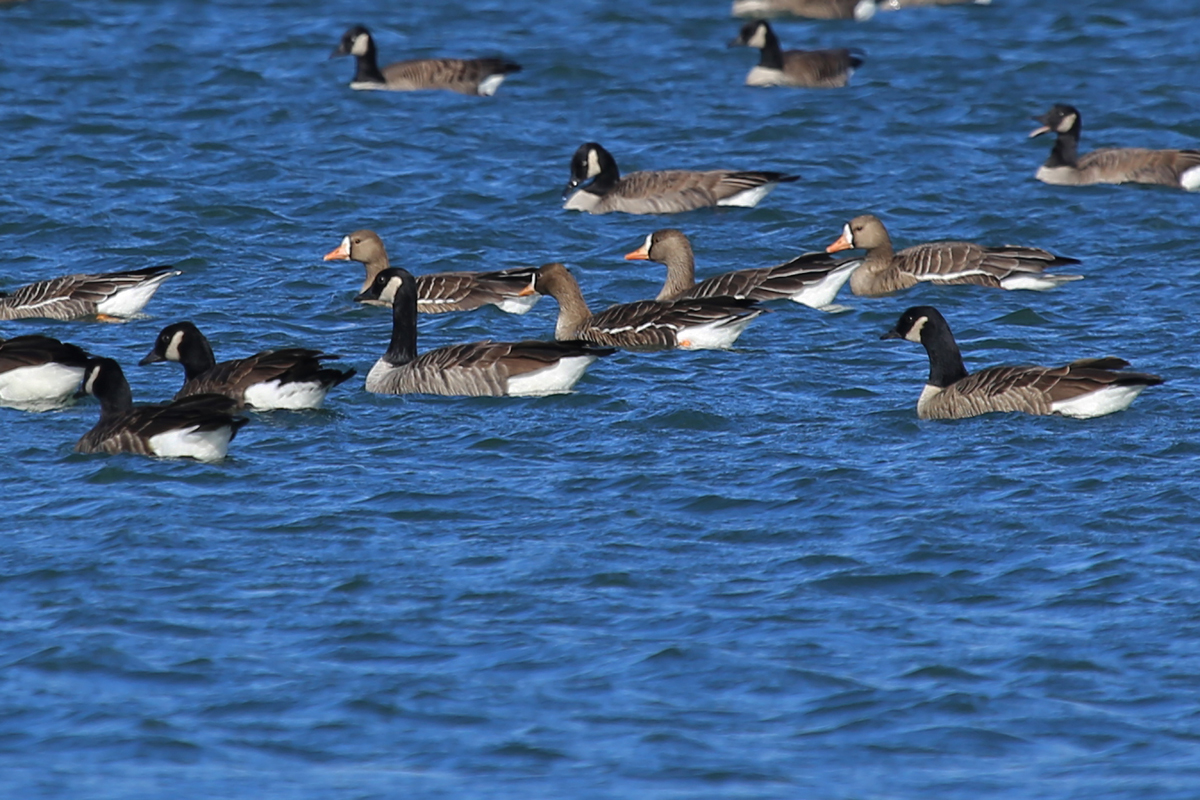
(196, 355)
(403, 346)
(1066, 150)
(366, 67)
(945, 360)
(771, 54)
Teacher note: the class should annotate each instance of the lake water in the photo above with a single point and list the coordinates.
(745, 574)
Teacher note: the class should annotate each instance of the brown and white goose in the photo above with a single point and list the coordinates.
(292, 378)
(199, 427)
(897, 5)
(1087, 388)
(478, 76)
(814, 69)
(109, 296)
(479, 369)
(662, 192)
(812, 279)
(884, 271)
(441, 292)
(1065, 167)
(861, 10)
(38, 373)
(707, 323)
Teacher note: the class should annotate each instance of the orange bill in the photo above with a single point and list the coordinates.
(842, 243)
(341, 252)
(641, 254)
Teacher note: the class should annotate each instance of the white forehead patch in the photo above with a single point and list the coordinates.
(846, 233)
(646, 244)
(759, 39)
(1067, 123)
(914, 333)
(593, 164)
(361, 43)
(172, 353)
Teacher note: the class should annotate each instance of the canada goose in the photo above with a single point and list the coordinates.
(706, 323)
(861, 10)
(38, 373)
(440, 292)
(884, 272)
(1065, 167)
(292, 378)
(199, 427)
(479, 76)
(812, 279)
(110, 296)
(817, 69)
(479, 369)
(1087, 388)
(665, 192)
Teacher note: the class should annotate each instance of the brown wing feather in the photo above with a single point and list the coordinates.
(818, 68)
(1136, 165)
(456, 74)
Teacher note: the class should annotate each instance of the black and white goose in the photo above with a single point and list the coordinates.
(109, 296)
(292, 378)
(811, 279)
(38, 373)
(706, 323)
(662, 192)
(199, 427)
(884, 271)
(441, 292)
(861, 10)
(1065, 167)
(814, 69)
(478, 369)
(477, 76)
(1083, 389)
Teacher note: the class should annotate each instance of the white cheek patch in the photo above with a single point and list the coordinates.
(91, 381)
(361, 43)
(914, 333)
(759, 39)
(593, 164)
(172, 353)
(389, 291)
(1067, 123)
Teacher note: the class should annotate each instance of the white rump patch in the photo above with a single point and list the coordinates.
(127, 302)
(717, 335)
(514, 304)
(555, 379)
(39, 388)
(1098, 403)
(489, 85)
(1036, 281)
(191, 443)
(291, 395)
(864, 10)
(1190, 179)
(820, 294)
(748, 198)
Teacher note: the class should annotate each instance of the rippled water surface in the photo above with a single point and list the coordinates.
(748, 574)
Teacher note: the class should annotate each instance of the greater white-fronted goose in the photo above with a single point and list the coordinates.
(1065, 167)
(812, 279)
(199, 427)
(897, 5)
(815, 69)
(884, 271)
(38, 373)
(441, 292)
(664, 192)
(861, 10)
(478, 76)
(109, 296)
(292, 378)
(1087, 388)
(707, 323)
(478, 369)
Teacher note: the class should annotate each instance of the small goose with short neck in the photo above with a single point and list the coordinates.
(814, 69)
(199, 427)
(1083, 389)
(707, 323)
(477, 76)
(812, 279)
(885, 271)
(442, 292)
(293, 378)
(1065, 167)
(660, 192)
(529, 368)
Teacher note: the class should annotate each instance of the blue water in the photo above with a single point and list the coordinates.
(747, 574)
